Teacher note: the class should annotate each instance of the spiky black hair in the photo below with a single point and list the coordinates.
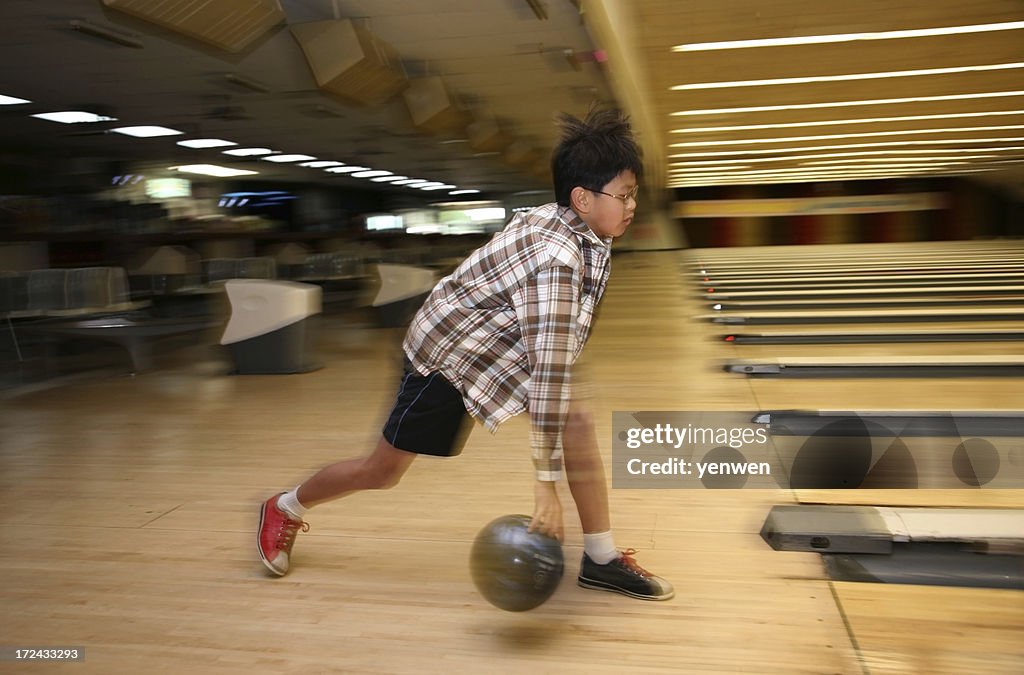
(593, 151)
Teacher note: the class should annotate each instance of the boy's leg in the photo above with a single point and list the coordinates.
(428, 417)
(381, 469)
(584, 470)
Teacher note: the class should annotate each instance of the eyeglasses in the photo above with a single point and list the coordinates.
(622, 198)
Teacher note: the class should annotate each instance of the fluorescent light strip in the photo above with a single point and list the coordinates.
(147, 131)
(787, 139)
(928, 161)
(370, 173)
(727, 153)
(213, 170)
(464, 192)
(73, 117)
(797, 158)
(346, 169)
(831, 173)
(919, 160)
(12, 100)
(845, 168)
(283, 159)
(815, 179)
(823, 170)
(321, 164)
(848, 37)
(846, 104)
(410, 182)
(249, 152)
(387, 179)
(852, 145)
(844, 78)
(200, 143)
(815, 169)
(706, 169)
(810, 177)
(862, 120)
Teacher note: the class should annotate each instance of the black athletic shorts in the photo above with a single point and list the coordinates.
(429, 417)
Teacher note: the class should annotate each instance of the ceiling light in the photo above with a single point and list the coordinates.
(74, 117)
(249, 152)
(844, 78)
(464, 192)
(213, 170)
(863, 120)
(346, 169)
(282, 159)
(200, 143)
(321, 164)
(410, 182)
(387, 179)
(844, 104)
(848, 37)
(699, 169)
(775, 151)
(879, 160)
(440, 186)
(147, 131)
(788, 139)
(12, 100)
(798, 158)
(371, 173)
(803, 169)
(855, 154)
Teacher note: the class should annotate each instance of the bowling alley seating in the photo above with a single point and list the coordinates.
(88, 302)
(164, 270)
(218, 270)
(341, 275)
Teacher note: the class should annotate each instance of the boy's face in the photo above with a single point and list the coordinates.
(609, 209)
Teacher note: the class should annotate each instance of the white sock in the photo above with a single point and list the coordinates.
(289, 503)
(600, 547)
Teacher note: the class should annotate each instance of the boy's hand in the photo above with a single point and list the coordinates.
(547, 510)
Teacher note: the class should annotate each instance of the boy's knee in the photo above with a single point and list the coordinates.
(579, 419)
(381, 476)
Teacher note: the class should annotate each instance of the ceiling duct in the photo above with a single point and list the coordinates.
(349, 61)
(231, 25)
(432, 108)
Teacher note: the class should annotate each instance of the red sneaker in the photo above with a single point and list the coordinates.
(277, 535)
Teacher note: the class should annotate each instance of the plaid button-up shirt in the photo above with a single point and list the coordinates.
(506, 326)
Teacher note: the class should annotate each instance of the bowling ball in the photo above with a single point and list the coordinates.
(513, 569)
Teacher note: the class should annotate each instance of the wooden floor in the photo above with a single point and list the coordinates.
(130, 505)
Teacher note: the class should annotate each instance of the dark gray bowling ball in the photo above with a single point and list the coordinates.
(513, 569)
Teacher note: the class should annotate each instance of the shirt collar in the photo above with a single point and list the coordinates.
(576, 224)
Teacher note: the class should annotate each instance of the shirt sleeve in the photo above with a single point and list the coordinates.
(547, 308)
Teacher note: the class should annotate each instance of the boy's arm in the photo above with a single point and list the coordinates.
(547, 308)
